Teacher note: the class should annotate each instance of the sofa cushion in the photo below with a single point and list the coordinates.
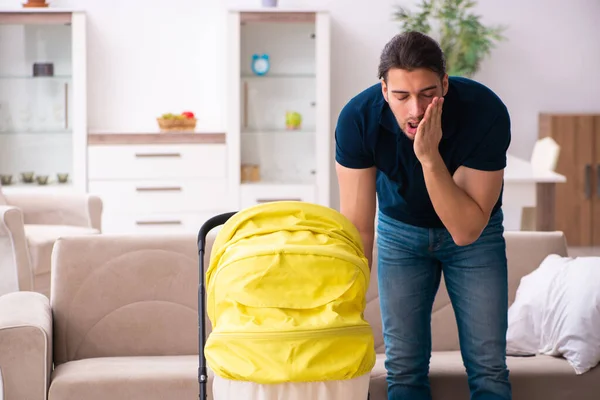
(125, 295)
(525, 252)
(41, 239)
(128, 378)
(539, 377)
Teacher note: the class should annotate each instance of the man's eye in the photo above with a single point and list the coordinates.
(428, 95)
(402, 98)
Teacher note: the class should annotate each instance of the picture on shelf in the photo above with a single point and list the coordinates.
(43, 69)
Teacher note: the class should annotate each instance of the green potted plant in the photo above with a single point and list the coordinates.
(463, 38)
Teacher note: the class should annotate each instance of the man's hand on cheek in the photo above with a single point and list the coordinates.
(429, 133)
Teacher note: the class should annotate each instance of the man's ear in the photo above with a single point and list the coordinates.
(384, 89)
(445, 85)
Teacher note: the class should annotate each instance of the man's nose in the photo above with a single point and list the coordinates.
(417, 108)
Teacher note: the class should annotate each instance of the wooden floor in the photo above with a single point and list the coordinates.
(584, 251)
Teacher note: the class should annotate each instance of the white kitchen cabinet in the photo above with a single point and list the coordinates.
(159, 183)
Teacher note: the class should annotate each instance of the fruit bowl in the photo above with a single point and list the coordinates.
(184, 122)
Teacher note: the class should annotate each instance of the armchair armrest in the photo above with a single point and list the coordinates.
(25, 345)
(15, 268)
(75, 209)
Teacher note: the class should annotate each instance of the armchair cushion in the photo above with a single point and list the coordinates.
(156, 377)
(73, 209)
(41, 239)
(109, 291)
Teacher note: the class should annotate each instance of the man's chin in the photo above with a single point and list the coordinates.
(409, 135)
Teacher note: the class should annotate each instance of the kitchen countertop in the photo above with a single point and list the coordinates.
(101, 138)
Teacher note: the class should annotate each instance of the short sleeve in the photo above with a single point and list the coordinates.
(350, 148)
(490, 154)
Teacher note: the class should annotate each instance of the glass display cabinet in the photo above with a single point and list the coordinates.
(42, 99)
(278, 104)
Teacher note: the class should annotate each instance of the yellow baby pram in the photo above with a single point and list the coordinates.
(285, 294)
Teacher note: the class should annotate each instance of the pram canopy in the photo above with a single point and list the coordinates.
(286, 293)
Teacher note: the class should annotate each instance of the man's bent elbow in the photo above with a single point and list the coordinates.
(469, 233)
(464, 240)
(466, 237)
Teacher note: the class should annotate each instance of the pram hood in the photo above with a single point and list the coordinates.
(286, 293)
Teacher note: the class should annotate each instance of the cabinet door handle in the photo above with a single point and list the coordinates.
(140, 155)
(159, 189)
(272, 200)
(588, 181)
(166, 222)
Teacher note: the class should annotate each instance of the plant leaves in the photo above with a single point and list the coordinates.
(465, 41)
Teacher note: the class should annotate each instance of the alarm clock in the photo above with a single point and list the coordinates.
(260, 64)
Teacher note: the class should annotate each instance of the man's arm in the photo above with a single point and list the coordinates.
(463, 202)
(357, 202)
(356, 173)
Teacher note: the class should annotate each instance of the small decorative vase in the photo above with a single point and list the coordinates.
(5, 179)
(35, 4)
(269, 3)
(42, 179)
(27, 177)
(62, 178)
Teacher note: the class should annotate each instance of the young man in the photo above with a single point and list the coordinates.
(433, 150)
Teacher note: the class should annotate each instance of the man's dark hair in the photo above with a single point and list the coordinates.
(409, 51)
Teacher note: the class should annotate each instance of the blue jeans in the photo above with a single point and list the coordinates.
(410, 263)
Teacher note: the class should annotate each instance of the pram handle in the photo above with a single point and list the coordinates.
(209, 225)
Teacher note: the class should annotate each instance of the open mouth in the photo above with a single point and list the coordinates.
(413, 125)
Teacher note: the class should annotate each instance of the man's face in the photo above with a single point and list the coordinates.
(409, 93)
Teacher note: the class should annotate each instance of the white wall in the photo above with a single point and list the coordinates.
(139, 68)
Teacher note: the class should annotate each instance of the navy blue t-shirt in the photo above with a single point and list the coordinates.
(475, 133)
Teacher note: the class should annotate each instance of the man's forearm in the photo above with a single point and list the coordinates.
(460, 214)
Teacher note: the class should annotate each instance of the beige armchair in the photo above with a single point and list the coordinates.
(29, 226)
(122, 322)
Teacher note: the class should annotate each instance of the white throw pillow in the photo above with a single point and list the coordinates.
(571, 317)
(556, 312)
(525, 314)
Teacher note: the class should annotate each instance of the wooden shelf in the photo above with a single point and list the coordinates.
(156, 138)
(37, 16)
(260, 16)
